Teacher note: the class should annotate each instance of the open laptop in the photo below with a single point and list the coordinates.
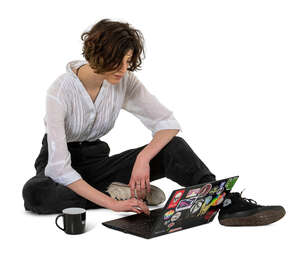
(186, 207)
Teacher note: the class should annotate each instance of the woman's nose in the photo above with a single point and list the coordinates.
(123, 68)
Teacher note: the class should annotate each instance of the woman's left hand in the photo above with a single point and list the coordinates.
(140, 179)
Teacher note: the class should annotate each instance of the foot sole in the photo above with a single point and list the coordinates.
(257, 219)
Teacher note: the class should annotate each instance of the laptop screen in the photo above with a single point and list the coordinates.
(195, 205)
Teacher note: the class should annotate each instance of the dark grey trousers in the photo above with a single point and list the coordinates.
(176, 161)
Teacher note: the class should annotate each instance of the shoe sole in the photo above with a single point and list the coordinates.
(258, 219)
(149, 201)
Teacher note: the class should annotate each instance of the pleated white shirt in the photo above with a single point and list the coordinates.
(71, 115)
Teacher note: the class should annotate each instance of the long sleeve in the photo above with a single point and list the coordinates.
(146, 107)
(59, 160)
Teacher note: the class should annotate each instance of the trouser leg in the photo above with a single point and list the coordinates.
(44, 196)
(180, 164)
(176, 161)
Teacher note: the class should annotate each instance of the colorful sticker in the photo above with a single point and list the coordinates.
(222, 185)
(168, 214)
(203, 209)
(175, 229)
(185, 204)
(204, 190)
(205, 206)
(176, 216)
(214, 200)
(197, 205)
(218, 200)
(167, 222)
(227, 202)
(213, 190)
(220, 190)
(230, 183)
(176, 198)
(171, 224)
(192, 192)
(210, 214)
(208, 199)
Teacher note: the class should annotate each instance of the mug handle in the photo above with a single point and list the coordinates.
(60, 215)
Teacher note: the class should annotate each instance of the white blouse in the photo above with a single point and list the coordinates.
(71, 115)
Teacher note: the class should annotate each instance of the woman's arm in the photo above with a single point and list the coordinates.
(85, 190)
(82, 188)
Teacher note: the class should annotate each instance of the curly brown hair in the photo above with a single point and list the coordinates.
(107, 42)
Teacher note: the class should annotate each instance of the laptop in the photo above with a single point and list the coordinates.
(186, 207)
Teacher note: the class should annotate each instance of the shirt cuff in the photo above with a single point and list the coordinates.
(67, 178)
(170, 123)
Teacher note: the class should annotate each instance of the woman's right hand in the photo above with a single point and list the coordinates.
(131, 205)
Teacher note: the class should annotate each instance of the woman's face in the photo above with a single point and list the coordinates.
(115, 76)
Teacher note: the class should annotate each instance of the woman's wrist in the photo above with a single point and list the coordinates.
(111, 203)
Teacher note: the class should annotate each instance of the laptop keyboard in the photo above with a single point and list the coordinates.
(140, 223)
(145, 220)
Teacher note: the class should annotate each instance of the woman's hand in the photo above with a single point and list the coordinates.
(140, 179)
(131, 205)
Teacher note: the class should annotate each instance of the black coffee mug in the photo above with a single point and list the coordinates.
(73, 219)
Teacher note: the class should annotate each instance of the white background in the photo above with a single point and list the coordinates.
(229, 71)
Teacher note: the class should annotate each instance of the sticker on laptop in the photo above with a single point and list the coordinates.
(167, 222)
(185, 204)
(176, 216)
(193, 192)
(171, 224)
(205, 206)
(210, 214)
(204, 190)
(175, 229)
(227, 202)
(168, 214)
(175, 199)
(197, 206)
(222, 185)
(208, 199)
(218, 199)
(213, 190)
(220, 190)
(230, 183)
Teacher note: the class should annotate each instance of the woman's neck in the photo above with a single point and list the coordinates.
(90, 80)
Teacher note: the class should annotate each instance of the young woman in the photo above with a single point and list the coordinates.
(74, 168)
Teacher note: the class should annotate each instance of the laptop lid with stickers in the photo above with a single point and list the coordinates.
(193, 206)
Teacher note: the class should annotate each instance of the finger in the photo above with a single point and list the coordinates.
(144, 207)
(134, 209)
(134, 205)
(148, 185)
(143, 187)
(132, 187)
(138, 190)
